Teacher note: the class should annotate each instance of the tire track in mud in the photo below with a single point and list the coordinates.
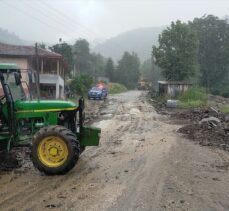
(20, 196)
(29, 192)
(37, 193)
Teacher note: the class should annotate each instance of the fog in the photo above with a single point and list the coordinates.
(48, 20)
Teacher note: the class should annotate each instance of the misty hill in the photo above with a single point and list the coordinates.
(138, 40)
(10, 38)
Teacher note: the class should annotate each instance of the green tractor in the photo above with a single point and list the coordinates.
(53, 129)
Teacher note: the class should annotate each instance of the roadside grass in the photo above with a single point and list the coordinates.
(225, 109)
(194, 97)
(161, 99)
(191, 104)
(116, 88)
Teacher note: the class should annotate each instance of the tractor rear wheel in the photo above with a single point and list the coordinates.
(55, 150)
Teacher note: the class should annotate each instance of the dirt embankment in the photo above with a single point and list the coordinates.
(206, 126)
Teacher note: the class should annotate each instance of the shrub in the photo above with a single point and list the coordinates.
(80, 85)
(225, 109)
(194, 97)
(194, 93)
(222, 90)
(115, 88)
(225, 91)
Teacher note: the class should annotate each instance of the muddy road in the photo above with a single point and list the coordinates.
(142, 163)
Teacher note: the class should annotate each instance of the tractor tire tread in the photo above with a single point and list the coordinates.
(71, 141)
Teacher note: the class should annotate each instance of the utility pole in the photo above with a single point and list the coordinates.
(38, 74)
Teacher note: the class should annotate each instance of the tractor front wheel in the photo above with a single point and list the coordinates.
(55, 150)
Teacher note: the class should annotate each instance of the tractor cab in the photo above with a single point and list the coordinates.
(11, 90)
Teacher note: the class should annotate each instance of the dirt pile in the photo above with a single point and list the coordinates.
(197, 114)
(18, 157)
(207, 126)
(218, 101)
(8, 161)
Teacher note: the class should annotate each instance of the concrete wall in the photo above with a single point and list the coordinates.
(176, 89)
(55, 80)
(172, 89)
(21, 62)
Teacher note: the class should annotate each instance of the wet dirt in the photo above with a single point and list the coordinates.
(8, 161)
(206, 126)
(142, 163)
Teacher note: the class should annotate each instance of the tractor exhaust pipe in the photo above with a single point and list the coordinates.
(81, 114)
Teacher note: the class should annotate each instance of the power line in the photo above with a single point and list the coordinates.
(68, 18)
(34, 17)
(74, 22)
(60, 14)
(50, 17)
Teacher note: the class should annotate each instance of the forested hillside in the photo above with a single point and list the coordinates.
(138, 40)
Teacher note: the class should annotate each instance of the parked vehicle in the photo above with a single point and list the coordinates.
(98, 92)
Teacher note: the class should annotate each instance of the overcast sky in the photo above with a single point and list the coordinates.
(48, 20)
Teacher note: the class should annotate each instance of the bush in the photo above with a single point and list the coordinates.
(225, 92)
(161, 98)
(225, 109)
(191, 104)
(194, 93)
(194, 97)
(222, 90)
(115, 88)
(81, 84)
(215, 91)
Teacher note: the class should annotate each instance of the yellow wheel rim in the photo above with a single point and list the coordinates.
(52, 151)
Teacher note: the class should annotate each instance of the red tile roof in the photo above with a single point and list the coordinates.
(19, 50)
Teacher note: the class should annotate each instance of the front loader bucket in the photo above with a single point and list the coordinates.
(90, 136)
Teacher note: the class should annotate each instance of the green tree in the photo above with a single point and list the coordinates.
(82, 57)
(128, 70)
(150, 71)
(66, 51)
(213, 56)
(109, 69)
(80, 84)
(98, 63)
(146, 69)
(177, 52)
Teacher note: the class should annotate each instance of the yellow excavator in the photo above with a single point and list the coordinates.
(144, 84)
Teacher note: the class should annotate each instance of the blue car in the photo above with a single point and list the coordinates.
(98, 93)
